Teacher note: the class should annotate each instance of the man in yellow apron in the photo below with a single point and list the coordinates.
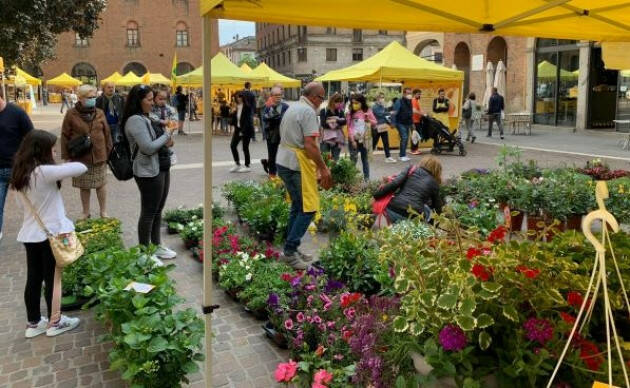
(299, 162)
(441, 107)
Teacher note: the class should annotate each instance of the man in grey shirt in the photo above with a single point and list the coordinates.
(299, 132)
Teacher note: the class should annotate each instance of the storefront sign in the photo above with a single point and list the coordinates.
(477, 62)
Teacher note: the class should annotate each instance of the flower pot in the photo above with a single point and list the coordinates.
(277, 338)
(189, 244)
(73, 302)
(260, 314)
(517, 222)
(514, 221)
(266, 236)
(233, 293)
(423, 368)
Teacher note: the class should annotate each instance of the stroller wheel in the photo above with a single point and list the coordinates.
(436, 151)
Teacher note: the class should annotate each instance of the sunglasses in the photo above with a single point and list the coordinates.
(321, 97)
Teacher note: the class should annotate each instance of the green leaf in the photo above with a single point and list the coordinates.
(487, 295)
(157, 344)
(190, 367)
(469, 382)
(304, 366)
(447, 301)
(139, 301)
(400, 324)
(491, 286)
(468, 306)
(465, 323)
(484, 340)
(416, 329)
(135, 340)
(484, 320)
(556, 296)
(428, 298)
(510, 313)
(199, 357)
(401, 284)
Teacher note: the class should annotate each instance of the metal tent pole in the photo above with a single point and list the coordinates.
(207, 197)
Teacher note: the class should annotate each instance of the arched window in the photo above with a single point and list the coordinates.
(133, 37)
(497, 51)
(183, 68)
(84, 72)
(181, 35)
(138, 68)
(462, 62)
(430, 50)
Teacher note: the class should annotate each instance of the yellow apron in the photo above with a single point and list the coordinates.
(442, 116)
(308, 173)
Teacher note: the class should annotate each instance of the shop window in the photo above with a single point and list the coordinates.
(382, 32)
(331, 55)
(331, 30)
(357, 54)
(133, 39)
(181, 35)
(301, 52)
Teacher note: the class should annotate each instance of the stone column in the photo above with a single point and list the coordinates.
(583, 81)
(530, 81)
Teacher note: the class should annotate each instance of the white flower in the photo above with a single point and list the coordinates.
(248, 277)
(241, 263)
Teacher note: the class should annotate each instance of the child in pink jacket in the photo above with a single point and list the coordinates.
(360, 119)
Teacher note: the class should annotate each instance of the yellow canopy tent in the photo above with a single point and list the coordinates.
(547, 70)
(615, 54)
(64, 80)
(156, 79)
(112, 78)
(129, 79)
(394, 63)
(273, 77)
(29, 79)
(245, 67)
(17, 80)
(224, 73)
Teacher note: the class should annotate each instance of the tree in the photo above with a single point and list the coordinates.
(250, 60)
(29, 28)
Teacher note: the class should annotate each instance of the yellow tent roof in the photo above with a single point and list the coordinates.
(17, 80)
(245, 67)
(64, 80)
(547, 69)
(155, 79)
(625, 73)
(273, 77)
(394, 63)
(223, 72)
(112, 78)
(570, 19)
(29, 79)
(129, 79)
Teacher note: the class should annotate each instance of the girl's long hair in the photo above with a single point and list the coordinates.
(360, 98)
(35, 150)
(133, 103)
(334, 100)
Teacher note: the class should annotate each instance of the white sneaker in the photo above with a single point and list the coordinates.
(235, 168)
(158, 262)
(390, 160)
(165, 253)
(64, 324)
(244, 169)
(39, 329)
(404, 159)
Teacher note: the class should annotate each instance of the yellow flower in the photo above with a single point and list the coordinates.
(350, 207)
(385, 317)
(620, 191)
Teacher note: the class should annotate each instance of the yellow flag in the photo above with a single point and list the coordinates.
(173, 73)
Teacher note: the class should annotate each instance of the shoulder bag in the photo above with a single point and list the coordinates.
(81, 144)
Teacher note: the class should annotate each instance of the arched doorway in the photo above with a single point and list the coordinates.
(430, 50)
(84, 72)
(183, 68)
(462, 61)
(497, 51)
(138, 68)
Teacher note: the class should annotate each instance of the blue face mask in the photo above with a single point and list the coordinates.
(90, 102)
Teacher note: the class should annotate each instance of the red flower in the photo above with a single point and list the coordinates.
(481, 272)
(530, 273)
(473, 252)
(348, 299)
(346, 335)
(575, 299)
(568, 318)
(320, 351)
(286, 277)
(498, 234)
(590, 355)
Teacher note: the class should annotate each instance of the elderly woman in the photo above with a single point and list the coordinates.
(85, 138)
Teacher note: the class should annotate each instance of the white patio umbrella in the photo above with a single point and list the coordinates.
(489, 83)
(499, 78)
(454, 67)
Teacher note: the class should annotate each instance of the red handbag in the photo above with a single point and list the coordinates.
(379, 205)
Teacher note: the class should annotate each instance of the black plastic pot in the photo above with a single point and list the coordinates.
(73, 302)
(277, 338)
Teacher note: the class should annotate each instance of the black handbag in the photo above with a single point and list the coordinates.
(80, 145)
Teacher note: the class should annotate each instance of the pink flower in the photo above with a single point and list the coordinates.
(322, 376)
(309, 300)
(288, 324)
(349, 313)
(300, 317)
(330, 324)
(338, 357)
(321, 327)
(326, 300)
(317, 320)
(309, 319)
(285, 372)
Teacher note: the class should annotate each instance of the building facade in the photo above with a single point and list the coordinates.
(134, 35)
(240, 49)
(306, 52)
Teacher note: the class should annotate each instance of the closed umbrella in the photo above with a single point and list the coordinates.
(489, 83)
(499, 78)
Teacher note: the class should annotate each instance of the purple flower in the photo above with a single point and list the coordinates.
(296, 281)
(349, 313)
(331, 339)
(333, 285)
(300, 317)
(309, 300)
(538, 330)
(322, 327)
(314, 271)
(452, 338)
(273, 300)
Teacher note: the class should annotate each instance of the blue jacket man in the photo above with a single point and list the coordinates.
(496, 105)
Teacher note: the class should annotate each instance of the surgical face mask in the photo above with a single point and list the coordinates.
(90, 102)
(356, 106)
(408, 96)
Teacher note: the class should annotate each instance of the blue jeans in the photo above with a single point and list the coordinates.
(299, 221)
(5, 176)
(403, 132)
(335, 150)
(361, 148)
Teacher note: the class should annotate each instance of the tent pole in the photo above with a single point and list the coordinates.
(207, 195)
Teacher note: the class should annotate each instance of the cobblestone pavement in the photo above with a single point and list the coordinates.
(242, 356)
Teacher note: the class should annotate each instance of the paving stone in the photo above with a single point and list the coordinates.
(88, 369)
(17, 376)
(66, 374)
(68, 383)
(44, 380)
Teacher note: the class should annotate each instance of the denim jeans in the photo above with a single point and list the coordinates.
(335, 150)
(403, 132)
(495, 117)
(5, 176)
(361, 148)
(299, 221)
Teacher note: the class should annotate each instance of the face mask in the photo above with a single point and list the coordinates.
(356, 106)
(339, 106)
(90, 102)
(408, 96)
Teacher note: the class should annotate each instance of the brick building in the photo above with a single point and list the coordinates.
(137, 35)
(305, 52)
(240, 49)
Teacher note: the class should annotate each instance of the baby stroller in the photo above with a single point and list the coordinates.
(443, 138)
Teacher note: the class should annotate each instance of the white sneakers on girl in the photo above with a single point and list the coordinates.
(35, 330)
(65, 324)
(235, 168)
(165, 253)
(390, 160)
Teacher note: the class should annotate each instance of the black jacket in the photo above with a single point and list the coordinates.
(405, 112)
(496, 104)
(441, 109)
(272, 118)
(415, 190)
(118, 101)
(325, 113)
(246, 125)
